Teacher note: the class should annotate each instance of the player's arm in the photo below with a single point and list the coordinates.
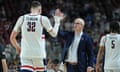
(4, 65)
(47, 25)
(99, 57)
(14, 34)
(53, 30)
(100, 53)
(14, 42)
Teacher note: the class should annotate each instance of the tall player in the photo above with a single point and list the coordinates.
(32, 50)
(110, 43)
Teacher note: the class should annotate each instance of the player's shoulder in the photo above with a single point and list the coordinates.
(44, 17)
(22, 16)
(104, 36)
(28, 14)
(119, 35)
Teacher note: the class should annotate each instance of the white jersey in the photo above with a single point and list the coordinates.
(33, 41)
(112, 50)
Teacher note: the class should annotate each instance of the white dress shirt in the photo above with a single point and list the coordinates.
(72, 53)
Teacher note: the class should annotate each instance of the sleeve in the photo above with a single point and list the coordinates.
(18, 24)
(46, 23)
(102, 41)
(90, 52)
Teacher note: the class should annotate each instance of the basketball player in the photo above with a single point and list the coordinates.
(110, 43)
(32, 51)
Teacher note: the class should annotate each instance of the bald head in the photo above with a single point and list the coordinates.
(78, 25)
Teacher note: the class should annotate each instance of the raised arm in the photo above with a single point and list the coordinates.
(53, 31)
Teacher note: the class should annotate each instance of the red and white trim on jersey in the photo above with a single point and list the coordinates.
(39, 69)
(31, 68)
(41, 21)
(27, 67)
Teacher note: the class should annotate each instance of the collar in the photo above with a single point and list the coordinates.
(79, 34)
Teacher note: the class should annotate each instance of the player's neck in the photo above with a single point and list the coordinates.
(113, 33)
(34, 13)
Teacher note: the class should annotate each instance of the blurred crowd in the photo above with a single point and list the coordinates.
(96, 13)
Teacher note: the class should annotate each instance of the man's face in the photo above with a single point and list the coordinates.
(78, 26)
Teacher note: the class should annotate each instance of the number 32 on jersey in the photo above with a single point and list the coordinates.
(31, 26)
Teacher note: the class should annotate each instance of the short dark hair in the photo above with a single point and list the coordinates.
(114, 27)
(35, 4)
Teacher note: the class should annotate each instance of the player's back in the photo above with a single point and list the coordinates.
(112, 51)
(32, 42)
(31, 26)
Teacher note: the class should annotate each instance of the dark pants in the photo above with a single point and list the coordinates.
(74, 68)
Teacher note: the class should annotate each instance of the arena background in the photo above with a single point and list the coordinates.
(97, 14)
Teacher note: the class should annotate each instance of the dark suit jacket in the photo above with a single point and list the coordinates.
(84, 52)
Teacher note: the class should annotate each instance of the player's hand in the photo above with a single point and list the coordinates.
(97, 67)
(90, 69)
(59, 14)
(18, 50)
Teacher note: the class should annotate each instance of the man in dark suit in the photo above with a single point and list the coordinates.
(78, 49)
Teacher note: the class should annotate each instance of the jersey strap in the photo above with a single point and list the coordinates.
(105, 40)
(22, 20)
(42, 25)
(41, 21)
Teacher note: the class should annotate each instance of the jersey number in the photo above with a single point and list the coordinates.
(31, 26)
(113, 44)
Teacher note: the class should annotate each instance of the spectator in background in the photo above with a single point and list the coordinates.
(78, 50)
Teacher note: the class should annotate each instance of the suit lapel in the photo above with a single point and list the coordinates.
(81, 41)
